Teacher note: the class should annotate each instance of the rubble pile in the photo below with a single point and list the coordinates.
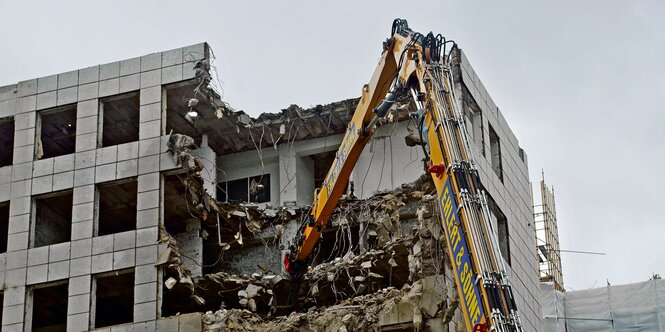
(414, 306)
(372, 284)
(353, 292)
(386, 268)
(212, 290)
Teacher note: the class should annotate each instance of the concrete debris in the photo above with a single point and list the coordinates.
(255, 188)
(395, 276)
(202, 72)
(387, 308)
(411, 139)
(293, 123)
(180, 146)
(175, 271)
(170, 282)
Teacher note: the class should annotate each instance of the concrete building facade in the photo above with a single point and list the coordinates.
(504, 173)
(86, 183)
(62, 261)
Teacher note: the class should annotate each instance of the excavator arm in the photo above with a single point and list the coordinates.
(373, 104)
(416, 64)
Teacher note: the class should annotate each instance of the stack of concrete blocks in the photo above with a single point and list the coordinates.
(86, 255)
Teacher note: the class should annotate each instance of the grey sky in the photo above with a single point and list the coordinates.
(581, 83)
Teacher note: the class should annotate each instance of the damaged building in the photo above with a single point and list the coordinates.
(133, 198)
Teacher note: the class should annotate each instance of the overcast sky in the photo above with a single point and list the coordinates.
(581, 83)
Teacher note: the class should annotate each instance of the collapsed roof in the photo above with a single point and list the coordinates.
(231, 131)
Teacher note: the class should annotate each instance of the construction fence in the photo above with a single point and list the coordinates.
(632, 307)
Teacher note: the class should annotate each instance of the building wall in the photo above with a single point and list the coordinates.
(23, 267)
(387, 162)
(512, 194)
(247, 164)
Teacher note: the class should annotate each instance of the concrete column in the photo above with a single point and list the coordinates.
(191, 245)
(290, 231)
(288, 186)
(304, 180)
(209, 160)
(296, 177)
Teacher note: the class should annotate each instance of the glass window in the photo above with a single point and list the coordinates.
(238, 190)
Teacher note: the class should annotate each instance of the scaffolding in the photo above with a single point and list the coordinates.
(547, 238)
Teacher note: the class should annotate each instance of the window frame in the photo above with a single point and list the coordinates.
(223, 189)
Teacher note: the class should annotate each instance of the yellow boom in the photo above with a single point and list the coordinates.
(415, 63)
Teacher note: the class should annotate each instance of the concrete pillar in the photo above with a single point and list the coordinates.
(296, 177)
(191, 245)
(304, 180)
(290, 231)
(209, 160)
(288, 188)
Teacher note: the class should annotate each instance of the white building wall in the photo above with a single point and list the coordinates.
(247, 164)
(513, 196)
(304, 180)
(387, 162)
(87, 255)
(283, 164)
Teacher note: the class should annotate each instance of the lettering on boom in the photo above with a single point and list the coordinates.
(342, 154)
(458, 248)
